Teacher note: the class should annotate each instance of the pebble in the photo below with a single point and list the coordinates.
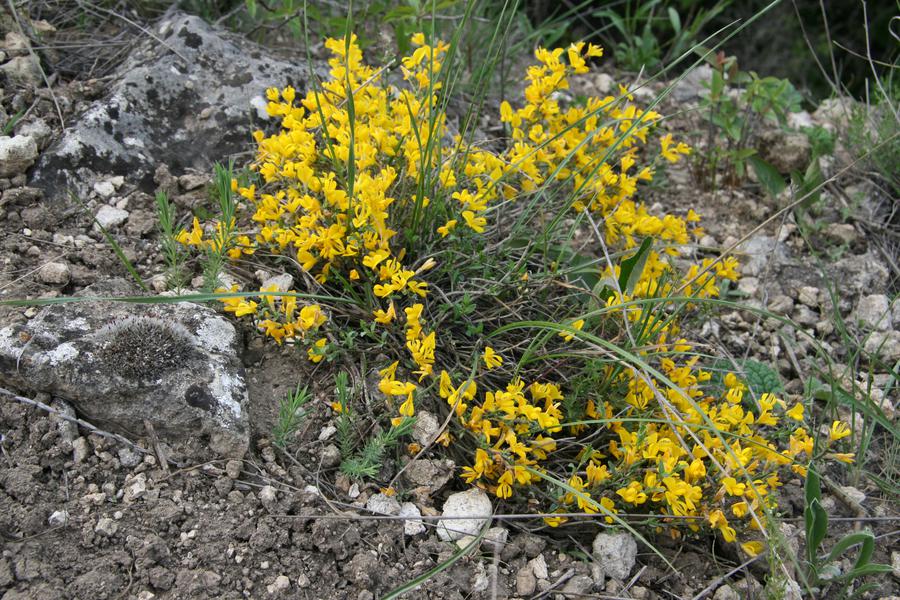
(809, 296)
(577, 587)
(16, 154)
(80, 450)
(233, 469)
(895, 564)
(473, 503)
(109, 216)
(526, 582)
(495, 539)
(327, 432)
(137, 488)
(58, 518)
(538, 566)
(844, 233)
(268, 497)
(128, 458)
(55, 273)
(873, 312)
(104, 189)
(331, 456)
(426, 427)
(283, 282)
(106, 527)
(615, 554)
(281, 584)
(413, 525)
(885, 344)
(37, 129)
(383, 505)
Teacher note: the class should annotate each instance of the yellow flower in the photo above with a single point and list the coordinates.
(569, 336)
(446, 228)
(753, 548)
(796, 413)
(733, 487)
(504, 490)
(838, 431)
(491, 358)
(474, 222)
(316, 352)
(844, 457)
(387, 316)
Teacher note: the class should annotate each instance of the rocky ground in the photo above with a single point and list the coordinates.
(84, 515)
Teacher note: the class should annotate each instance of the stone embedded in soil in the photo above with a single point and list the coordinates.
(176, 366)
(149, 115)
(16, 154)
(58, 518)
(577, 587)
(615, 554)
(787, 152)
(474, 505)
(429, 473)
(23, 71)
(885, 345)
(412, 525)
(873, 312)
(383, 505)
(426, 427)
(106, 527)
(110, 216)
(281, 584)
(55, 273)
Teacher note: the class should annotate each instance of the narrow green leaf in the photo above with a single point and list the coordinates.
(632, 267)
(847, 542)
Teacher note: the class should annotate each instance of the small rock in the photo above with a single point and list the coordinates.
(799, 120)
(37, 129)
(383, 505)
(23, 71)
(853, 494)
(426, 427)
(577, 587)
(327, 432)
(895, 564)
(268, 497)
(809, 296)
(885, 345)
(105, 189)
(785, 151)
(748, 285)
(615, 554)
(331, 456)
(106, 527)
(473, 504)
(55, 273)
(58, 518)
(781, 305)
(16, 44)
(538, 566)
(495, 539)
(691, 86)
(429, 473)
(280, 585)
(412, 525)
(726, 592)
(874, 312)
(137, 488)
(80, 450)
(843, 233)
(129, 458)
(146, 595)
(16, 154)
(526, 582)
(192, 181)
(233, 469)
(282, 283)
(109, 216)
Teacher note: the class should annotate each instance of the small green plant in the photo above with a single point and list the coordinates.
(738, 104)
(825, 573)
(172, 250)
(366, 462)
(291, 413)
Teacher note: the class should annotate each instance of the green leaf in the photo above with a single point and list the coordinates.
(815, 517)
(675, 20)
(768, 176)
(632, 267)
(761, 378)
(846, 543)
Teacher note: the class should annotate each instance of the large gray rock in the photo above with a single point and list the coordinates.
(183, 100)
(175, 365)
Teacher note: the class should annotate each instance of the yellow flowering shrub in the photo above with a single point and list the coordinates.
(363, 189)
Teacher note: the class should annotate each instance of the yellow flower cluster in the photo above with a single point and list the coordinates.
(361, 168)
